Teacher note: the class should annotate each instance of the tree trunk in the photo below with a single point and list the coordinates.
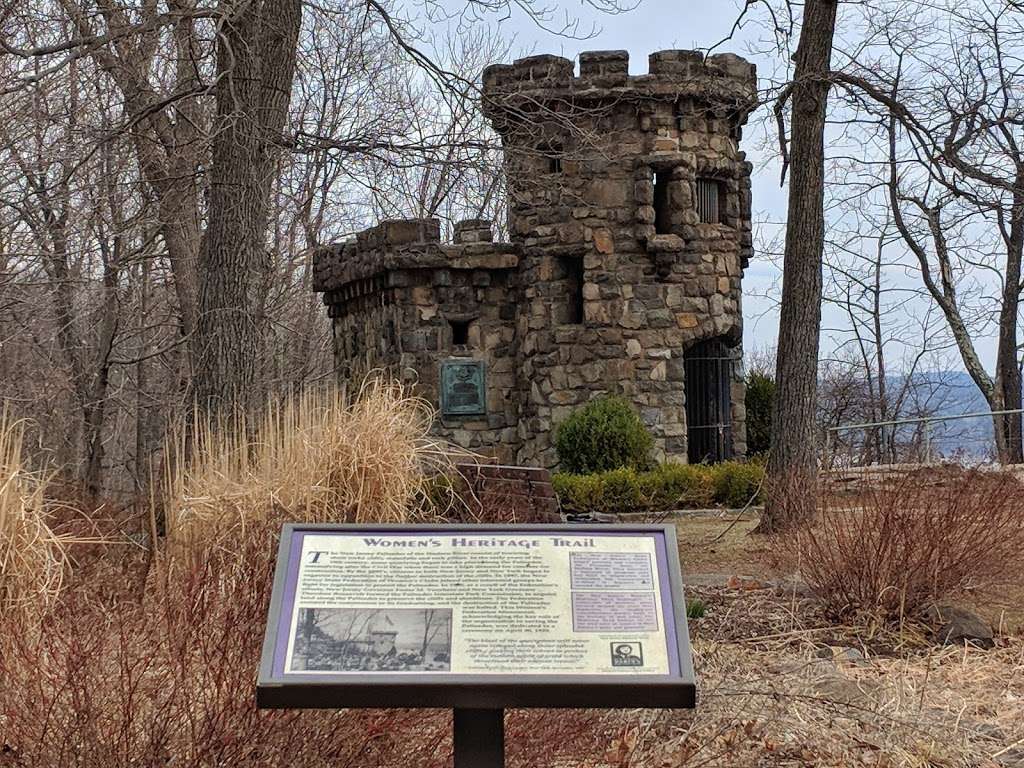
(178, 204)
(142, 395)
(96, 408)
(792, 465)
(255, 66)
(1008, 377)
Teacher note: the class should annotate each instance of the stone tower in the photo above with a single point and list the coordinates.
(629, 219)
(630, 194)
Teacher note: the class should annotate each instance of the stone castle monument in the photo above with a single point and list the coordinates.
(629, 219)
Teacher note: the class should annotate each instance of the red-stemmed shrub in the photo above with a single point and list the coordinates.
(140, 659)
(106, 680)
(908, 541)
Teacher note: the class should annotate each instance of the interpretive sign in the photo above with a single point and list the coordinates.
(463, 390)
(477, 617)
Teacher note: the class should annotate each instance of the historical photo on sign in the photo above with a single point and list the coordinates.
(372, 640)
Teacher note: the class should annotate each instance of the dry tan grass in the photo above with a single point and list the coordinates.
(778, 688)
(32, 558)
(111, 680)
(313, 457)
(124, 684)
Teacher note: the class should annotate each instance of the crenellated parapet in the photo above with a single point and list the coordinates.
(723, 80)
(396, 245)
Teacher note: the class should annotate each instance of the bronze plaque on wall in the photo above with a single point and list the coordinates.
(463, 387)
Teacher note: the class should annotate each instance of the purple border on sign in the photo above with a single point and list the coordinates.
(288, 604)
(295, 557)
(666, 603)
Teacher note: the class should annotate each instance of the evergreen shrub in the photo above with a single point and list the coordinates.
(738, 483)
(759, 402)
(603, 435)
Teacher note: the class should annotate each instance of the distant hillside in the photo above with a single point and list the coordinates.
(952, 393)
(956, 393)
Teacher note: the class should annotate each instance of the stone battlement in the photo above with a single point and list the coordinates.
(404, 244)
(722, 78)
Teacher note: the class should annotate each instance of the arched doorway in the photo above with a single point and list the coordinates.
(709, 368)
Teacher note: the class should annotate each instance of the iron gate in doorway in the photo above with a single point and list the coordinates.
(708, 370)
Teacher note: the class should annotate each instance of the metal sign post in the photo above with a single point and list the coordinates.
(477, 619)
(479, 738)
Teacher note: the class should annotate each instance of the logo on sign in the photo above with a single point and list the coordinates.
(627, 655)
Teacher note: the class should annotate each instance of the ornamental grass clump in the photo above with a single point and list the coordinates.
(313, 457)
(32, 557)
(150, 661)
(147, 658)
(604, 434)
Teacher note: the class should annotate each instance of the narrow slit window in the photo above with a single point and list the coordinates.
(460, 332)
(710, 201)
(553, 158)
(573, 269)
(662, 220)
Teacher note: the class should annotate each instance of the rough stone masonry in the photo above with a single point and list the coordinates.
(629, 219)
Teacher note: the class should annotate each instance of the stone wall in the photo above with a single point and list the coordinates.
(506, 494)
(396, 294)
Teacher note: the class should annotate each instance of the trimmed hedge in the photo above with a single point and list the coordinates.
(737, 483)
(669, 486)
(605, 434)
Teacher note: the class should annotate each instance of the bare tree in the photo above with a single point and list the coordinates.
(950, 125)
(81, 234)
(256, 49)
(889, 341)
(108, 127)
(792, 463)
(159, 77)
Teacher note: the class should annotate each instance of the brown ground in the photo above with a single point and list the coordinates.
(720, 544)
(782, 684)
